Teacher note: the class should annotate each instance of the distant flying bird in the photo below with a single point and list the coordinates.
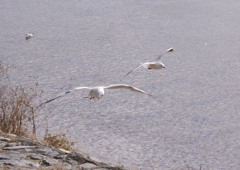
(28, 36)
(157, 64)
(98, 92)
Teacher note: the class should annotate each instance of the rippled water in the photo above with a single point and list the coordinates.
(88, 43)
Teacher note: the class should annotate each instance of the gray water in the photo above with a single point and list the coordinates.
(90, 43)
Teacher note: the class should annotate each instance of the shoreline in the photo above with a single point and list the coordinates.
(18, 152)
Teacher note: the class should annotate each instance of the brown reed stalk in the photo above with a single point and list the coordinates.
(17, 106)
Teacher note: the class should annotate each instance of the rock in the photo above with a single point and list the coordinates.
(12, 135)
(60, 156)
(19, 163)
(45, 163)
(18, 147)
(2, 144)
(51, 161)
(10, 144)
(4, 139)
(87, 166)
(27, 142)
(25, 154)
(11, 155)
(81, 159)
(64, 151)
(35, 157)
(64, 165)
(44, 151)
(16, 168)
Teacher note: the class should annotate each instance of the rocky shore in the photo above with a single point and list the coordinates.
(22, 153)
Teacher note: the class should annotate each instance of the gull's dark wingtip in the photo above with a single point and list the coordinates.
(48, 101)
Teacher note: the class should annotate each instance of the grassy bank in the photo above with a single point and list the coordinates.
(19, 110)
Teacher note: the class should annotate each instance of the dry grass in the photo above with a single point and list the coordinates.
(19, 108)
(58, 140)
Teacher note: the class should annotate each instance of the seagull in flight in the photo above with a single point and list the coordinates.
(98, 92)
(157, 64)
(28, 36)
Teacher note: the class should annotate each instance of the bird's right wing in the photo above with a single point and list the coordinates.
(125, 86)
(132, 70)
(50, 100)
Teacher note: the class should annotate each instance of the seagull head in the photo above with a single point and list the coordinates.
(162, 65)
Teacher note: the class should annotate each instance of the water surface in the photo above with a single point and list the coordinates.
(89, 43)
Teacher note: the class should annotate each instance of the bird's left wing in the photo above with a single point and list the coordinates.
(50, 100)
(125, 86)
(132, 71)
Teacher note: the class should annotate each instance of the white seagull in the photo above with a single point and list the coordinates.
(28, 36)
(157, 64)
(98, 92)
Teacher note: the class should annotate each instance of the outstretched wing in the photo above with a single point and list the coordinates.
(77, 88)
(125, 86)
(133, 70)
(169, 50)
